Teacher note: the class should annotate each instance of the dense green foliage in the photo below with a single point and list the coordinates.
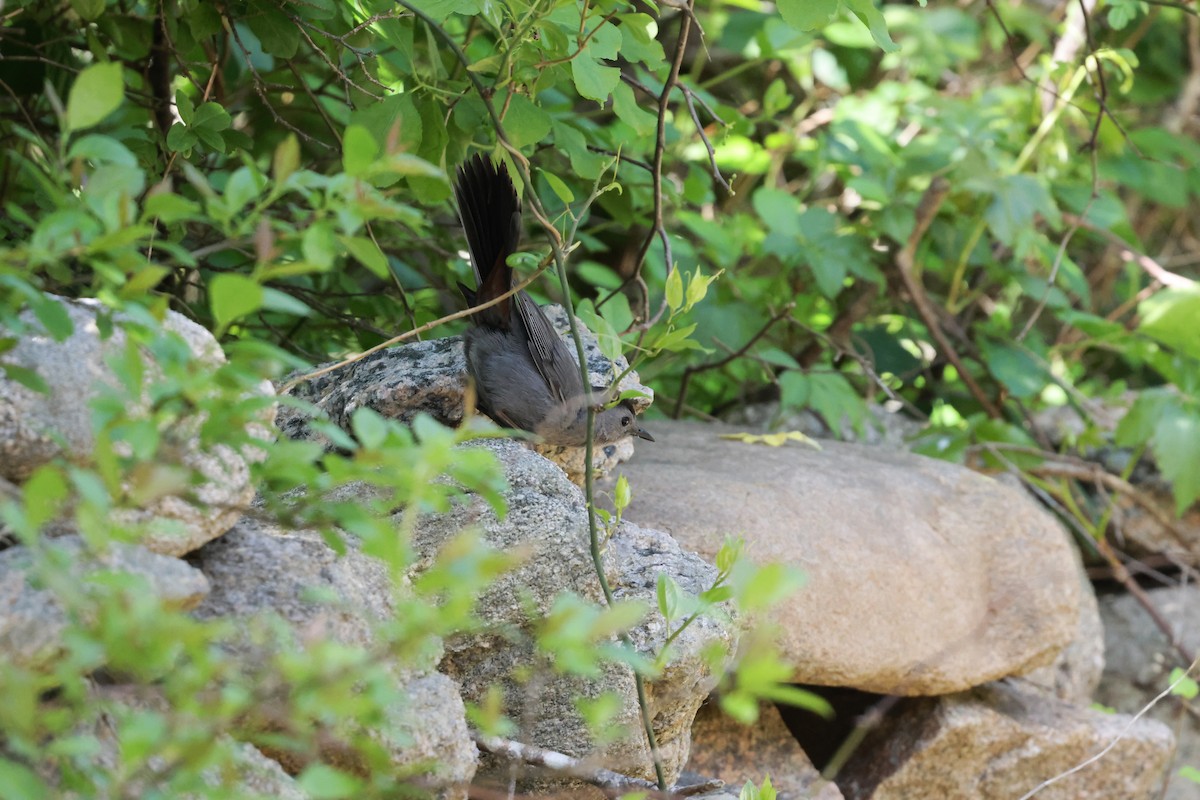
(278, 172)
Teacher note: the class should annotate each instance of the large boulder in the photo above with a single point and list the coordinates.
(547, 522)
(36, 428)
(922, 577)
(430, 377)
(33, 621)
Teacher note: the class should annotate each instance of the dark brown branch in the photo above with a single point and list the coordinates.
(741, 351)
(1147, 264)
(905, 264)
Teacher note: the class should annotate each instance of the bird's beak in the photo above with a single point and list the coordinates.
(642, 433)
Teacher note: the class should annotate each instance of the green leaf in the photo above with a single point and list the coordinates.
(369, 428)
(674, 290)
(211, 117)
(278, 35)
(1185, 686)
(102, 150)
(560, 189)
(668, 594)
(53, 315)
(96, 93)
(25, 376)
(367, 253)
(1015, 367)
(1137, 426)
(639, 40)
(322, 782)
(525, 122)
(88, 10)
(233, 296)
(359, 150)
(872, 17)
(286, 159)
(807, 15)
(627, 110)
(1170, 316)
(20, 781)
(1176, 445)
(43, 493)
(1015, 202)
(319, 245)
(621, 494)
(592, 79)
(185, 106)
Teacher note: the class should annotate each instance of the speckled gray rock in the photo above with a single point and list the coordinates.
(246, 774)
(923, 577)
(35, 428)
(547, 523)
(258, 570)
(431, 377)
(32, 621)
(1000, 741)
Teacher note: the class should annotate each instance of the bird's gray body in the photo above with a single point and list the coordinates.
(524, 375)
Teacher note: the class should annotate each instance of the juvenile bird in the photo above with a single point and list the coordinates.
(524, 375)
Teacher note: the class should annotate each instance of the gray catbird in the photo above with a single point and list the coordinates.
(524, 375)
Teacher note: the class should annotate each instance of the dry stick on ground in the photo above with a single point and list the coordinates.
(688, 372)
(466, 312)
(569, 766)
(926, 210)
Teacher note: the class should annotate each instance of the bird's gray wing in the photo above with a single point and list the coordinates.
(550, 354)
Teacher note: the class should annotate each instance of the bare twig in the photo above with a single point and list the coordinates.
(741, 351)
(660, 145)
(1147, 264)
(1116, 739)
(287, 387)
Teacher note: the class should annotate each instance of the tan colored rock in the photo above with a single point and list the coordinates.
(735, 753)
(1076, 671)
(1000, 742)
(923, 577)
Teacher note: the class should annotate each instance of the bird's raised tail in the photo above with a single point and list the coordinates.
(490, 212)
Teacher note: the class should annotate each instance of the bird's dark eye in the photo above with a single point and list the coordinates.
(625, 421)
